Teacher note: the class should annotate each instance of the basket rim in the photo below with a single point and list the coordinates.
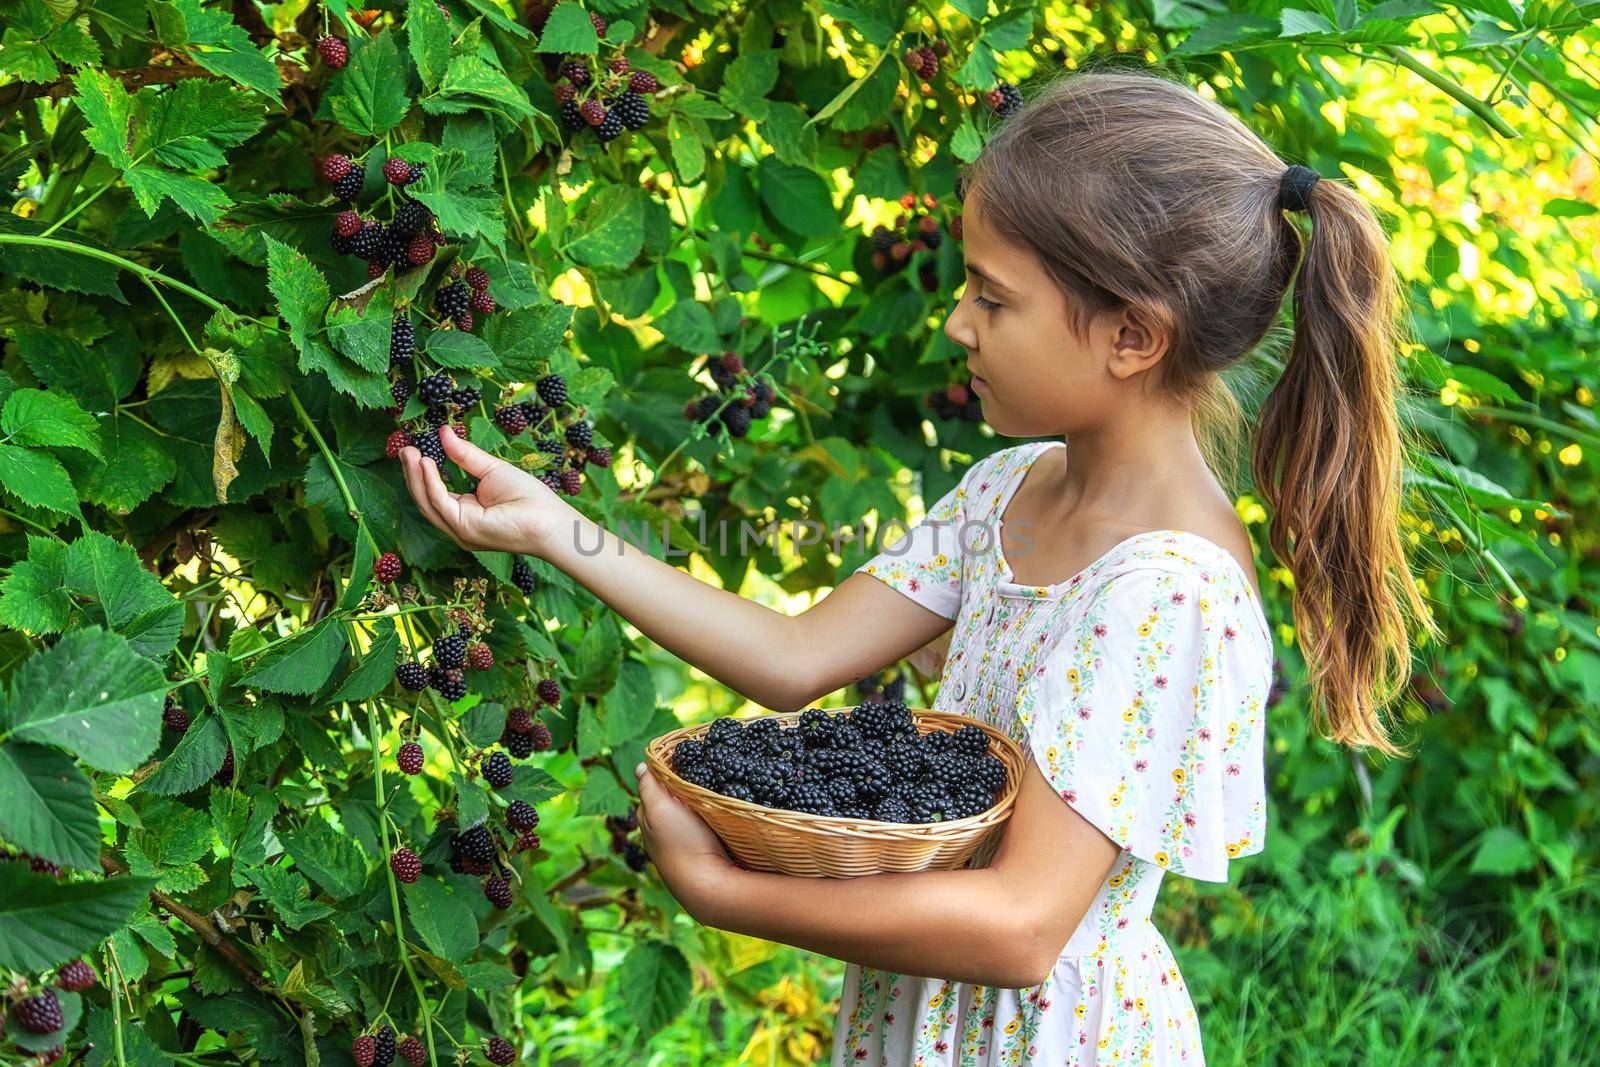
(806, 819)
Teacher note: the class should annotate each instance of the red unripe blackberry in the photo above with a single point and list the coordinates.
(566, 92)
(643, 82)
(419, 251)
(413, 1051)
(78, 975)
(497, 770)
(334, 168)
(519, 720)
(956, 393)
(571, 482)
(377, 269)
(409, 758)
(387, 569)
(599, 28)
(396, 171)
(477, 278)
(412, 676)
(174, 717)
(347, 224)
(405, 864)
(225, 772)
(511, 419)
(364, 1050)
(397, 440)
(576, 72)
(498, 890)
(600, 457)
(479, 657)
(522, 816)
(334, 52)
(955, 227)
(50, 1055)
(40, 1013)
(941, 48)
(527, 842)
(593, 112)
(619, 65)
(549, 691)
(460, 428)
(463, 323)
(541, 737)
(481, 302)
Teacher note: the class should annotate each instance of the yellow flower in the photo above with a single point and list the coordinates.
(1144, 629)
(1116, 800)
(1051, 754)
(1138, 1004)
(935, 1000)
(1127, 716)
(1072, 675)
(1011, 1027)
(1161, 859)
(1233, 849)
(1233, 730)
(1081, 1010)
(1116, 880)
(940, 560)
(1205, 605)
(1177, 775)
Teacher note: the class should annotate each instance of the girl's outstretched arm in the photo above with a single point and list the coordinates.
(779, 661)
(1000, 926)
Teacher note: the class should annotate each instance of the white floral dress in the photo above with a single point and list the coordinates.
(1138, 685)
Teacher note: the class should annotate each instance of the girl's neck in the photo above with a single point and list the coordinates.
(1137, 471)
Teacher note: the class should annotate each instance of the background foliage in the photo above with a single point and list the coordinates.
(191, 449)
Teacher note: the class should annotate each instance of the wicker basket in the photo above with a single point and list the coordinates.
(793, 842)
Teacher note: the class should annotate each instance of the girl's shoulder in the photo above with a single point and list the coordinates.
(989, 479)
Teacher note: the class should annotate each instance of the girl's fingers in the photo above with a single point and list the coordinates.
(468, 456)
(411, 463)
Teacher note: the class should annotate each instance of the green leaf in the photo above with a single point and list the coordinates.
(1010, 30)
(133, 601)
(331, 859)
(443, 918)
(193, 762)
(967, 143)
(301, 292)
(369, 96)
(797, 197)
(688, 324)
(524, 340)
(688, 150)
(631, 703)
(469, 76)
(877, 20)
(652, 985)
(108, 109)
(216, 43)
(92, 695)
(98, 377)
(610, 228)
(376, 669)
(39, 417)
(195, 197)
(428, 37)
(1226, 32)
(484, 723)
(303, 665)
(47, 807)
(450, 189)
(603, 796)
(33, 597)
(569, 30)
(747, 81)
(1297, 23)
(36, 478)
(1502, 851)
(44, 920)
(472, 803)
(189, 124)
(289, 893)
(532, 785)
(134, 463)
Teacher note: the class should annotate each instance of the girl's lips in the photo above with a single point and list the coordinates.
(978, 383)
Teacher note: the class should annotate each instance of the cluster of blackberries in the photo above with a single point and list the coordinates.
(568, 455)
(524, 734)
(476, 851)
(453, 655)
(41, 1013)
(955, 401)
(616, 102)
(915, 231)
(1004, 99)
(378, 1049)
(870, 763)
(874, 688)
(463, 295)
(924, 61)
(36, 864)
(752, 396)
(410, 237)
(633, 853)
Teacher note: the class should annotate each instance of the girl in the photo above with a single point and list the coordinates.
(1125, 240)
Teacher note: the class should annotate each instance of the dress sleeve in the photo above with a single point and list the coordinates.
(926, 564)
(1147, 718)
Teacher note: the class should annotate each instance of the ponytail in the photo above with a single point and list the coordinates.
(1328, 462)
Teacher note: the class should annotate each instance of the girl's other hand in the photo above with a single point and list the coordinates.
(511, 510)
(687, 853)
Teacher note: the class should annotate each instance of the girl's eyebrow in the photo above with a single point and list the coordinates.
(973, 268)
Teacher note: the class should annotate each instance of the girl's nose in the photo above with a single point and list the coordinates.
(957, 327)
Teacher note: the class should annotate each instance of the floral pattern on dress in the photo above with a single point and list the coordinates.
(1138, 685)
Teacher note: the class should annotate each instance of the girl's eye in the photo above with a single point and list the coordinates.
(987, 305)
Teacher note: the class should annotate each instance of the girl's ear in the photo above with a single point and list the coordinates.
(1139, 338)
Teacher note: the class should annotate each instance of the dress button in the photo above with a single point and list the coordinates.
(960, 688)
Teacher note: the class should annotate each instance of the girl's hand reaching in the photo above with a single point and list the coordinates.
(511, 510)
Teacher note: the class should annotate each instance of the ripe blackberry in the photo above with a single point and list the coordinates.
(450, 650)
(402, 344)
(453, 300)
(344, 246)
(576, 72)
(522, 576)
(174, 717)
(549, 690)
(479, 657)
(481, 302)
(572, 117)
(384, 1042)
(498, 890)
(498, 1049)
(511, 420)
(541, 737)
(428, 444)
(449, 681)
(400, 390)
(387, 569)
(549, 445)
(892, 809)
(368, 243)
(364, 1050)
(474, 844)
(519, 745)
(396, 171)
(436, 415)
(477, 278)
(610, 126)
(519, 720)
(737, 419)
(412, 676)
(334, 52)
(436, 388)
(1005, 99)
(224, 773)
(497, 770)
(552, 389)
(411, 218)
(970, 741)
(635, 856)
(413, 1051)
(642, 82)
(409, 758)
(335, 167)
(633, 110)
(522, 816)
(580, 434)
(466, 397)
(349, 186)
(571, 482)
(703, 409)
(75, 976)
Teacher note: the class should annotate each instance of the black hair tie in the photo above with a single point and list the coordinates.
(1294, 188)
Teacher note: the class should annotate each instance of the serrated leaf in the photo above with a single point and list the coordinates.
(36, 478)
(369, 96)
(443, 918)
(301, 666)
(747, 81)
(290, 894)
(328, 857)
(376, 669)
(133, 601)
(46, 419)
(524, 340)
(189, 124)
(94, 696)
(533, 785)
(652, 985)
(47, 807)
(569, 30)
(193, 762)
(44, 920)
(108, 109)
(196, 197)
(472, 803)
(470, 76)
(33, 597)
(610, 228)
(428, 37)
(218, 44)
(301, 292)
(688, 151)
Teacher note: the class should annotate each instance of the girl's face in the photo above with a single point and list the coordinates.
(1034, 377)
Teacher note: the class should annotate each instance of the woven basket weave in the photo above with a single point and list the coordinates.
(794, 842)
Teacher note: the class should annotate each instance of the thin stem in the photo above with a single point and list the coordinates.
(175, 320)
(1451, 89)
(63, 220)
